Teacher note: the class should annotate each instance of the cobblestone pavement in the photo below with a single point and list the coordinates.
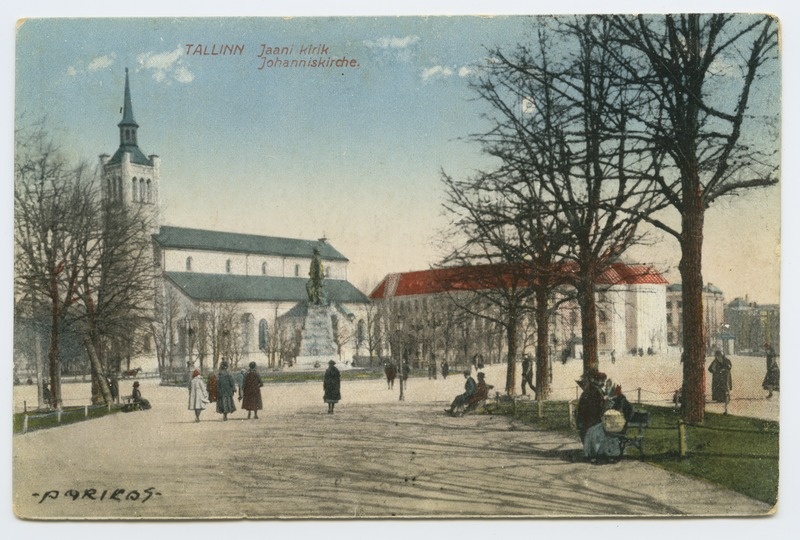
(375, 457)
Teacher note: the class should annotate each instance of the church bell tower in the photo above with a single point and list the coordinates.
(129, 177)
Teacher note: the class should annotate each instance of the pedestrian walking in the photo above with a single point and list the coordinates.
(239, 380)
(211, 385)
(721, 380)
(226, 387)
(527, 374)
(198, 395)
(391, 372)
(772, 380)
(445, 369)
(406, 369)
(331, 384)
(250, 393)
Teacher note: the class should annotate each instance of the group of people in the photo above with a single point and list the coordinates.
(474, 393)
(722, 381)
(601, 401)
(221, 387)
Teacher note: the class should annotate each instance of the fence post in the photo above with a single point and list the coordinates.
(639, 396)
(572, 414)
(25, 424)
(24, 406)
(681, 439)
(58, 416)
(85, 411)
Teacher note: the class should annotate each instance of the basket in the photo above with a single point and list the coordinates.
(613, 421)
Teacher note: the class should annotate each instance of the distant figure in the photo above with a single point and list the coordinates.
(527, 374)
(239, 379)
(136, 397)
(212, 387)
(113, 386)
(226, 387)
(432, 368)
(198, 395)
(469, 390)
(331, 384)
(772, 380)
(251, 392)
(391, 372)
(445, 369)
(721, 380)
(47, 397)
(406, 370)
(613, 357)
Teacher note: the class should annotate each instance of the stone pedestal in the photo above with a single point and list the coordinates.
(317, 345)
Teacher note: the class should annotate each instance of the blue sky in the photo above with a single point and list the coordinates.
(350, 153)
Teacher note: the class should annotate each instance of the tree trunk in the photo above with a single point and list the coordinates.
(52, 353)
(694, 351)
(542, 335)
(588, 307)
(98, 374)
(511, 370)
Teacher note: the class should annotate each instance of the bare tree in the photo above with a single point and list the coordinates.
(698, 74)
(53, 205)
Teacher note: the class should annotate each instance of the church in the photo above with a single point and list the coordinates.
(225, 295)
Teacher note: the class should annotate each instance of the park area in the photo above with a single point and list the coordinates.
(379, 457)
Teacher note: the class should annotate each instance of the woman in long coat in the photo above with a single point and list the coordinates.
(198, 396)
(772, 380)
(721, 381)
(212, 387)
(331, 383)
(226, 387)
(251, 391)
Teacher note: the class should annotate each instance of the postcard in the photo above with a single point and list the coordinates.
(406, 267)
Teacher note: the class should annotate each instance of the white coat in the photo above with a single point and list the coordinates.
(198, 395)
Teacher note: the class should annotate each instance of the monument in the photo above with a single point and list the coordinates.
(317, 342)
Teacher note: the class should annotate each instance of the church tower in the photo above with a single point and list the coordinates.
(129, 177)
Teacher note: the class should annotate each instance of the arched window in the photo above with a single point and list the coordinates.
(134, 190)
(142, 193)
(263, 336)
(327, 271)
(263, 269)
(361, 332)
(602, 338)
(149, 191)
(297, 270)
(228, 266)
(188, 264)
(601, 314)
(119, 188)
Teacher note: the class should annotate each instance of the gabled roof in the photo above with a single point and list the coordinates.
(237, 288)
(137, 156)
(476, 278)
(631, 274)
(205, 240)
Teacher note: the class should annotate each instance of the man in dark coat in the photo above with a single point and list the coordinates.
(527, 374)
(331, 384)
(226, 387)
(251, 392)
(445, 369)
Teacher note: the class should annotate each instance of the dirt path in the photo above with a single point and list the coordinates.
(375, 457)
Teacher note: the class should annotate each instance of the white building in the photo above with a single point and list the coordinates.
(224, 294)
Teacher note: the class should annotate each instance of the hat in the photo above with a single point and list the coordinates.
(252, 365)
(467, 372)
(135, 384)
(481, 375)
(331, 362)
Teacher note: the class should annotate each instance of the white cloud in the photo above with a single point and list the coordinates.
(392, 42)
(464, 71)
(101, 62)
(436, 72)
(166, 66)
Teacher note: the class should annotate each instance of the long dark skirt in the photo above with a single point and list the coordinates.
(225, 404)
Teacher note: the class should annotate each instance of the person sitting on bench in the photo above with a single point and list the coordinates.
(481, 392)
(461, 400)
(136, 397)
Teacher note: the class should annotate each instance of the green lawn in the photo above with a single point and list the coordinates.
(732, 451)
(70, 415)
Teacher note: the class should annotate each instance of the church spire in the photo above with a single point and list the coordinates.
(128, 126)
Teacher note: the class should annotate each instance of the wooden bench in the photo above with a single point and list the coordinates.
(129, 405)
(639, 421)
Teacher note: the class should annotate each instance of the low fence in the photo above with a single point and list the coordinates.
(25, 422)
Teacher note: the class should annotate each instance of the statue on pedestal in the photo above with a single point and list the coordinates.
(316, 296)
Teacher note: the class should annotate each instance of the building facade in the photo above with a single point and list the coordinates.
(716, 328)
(223, 295)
